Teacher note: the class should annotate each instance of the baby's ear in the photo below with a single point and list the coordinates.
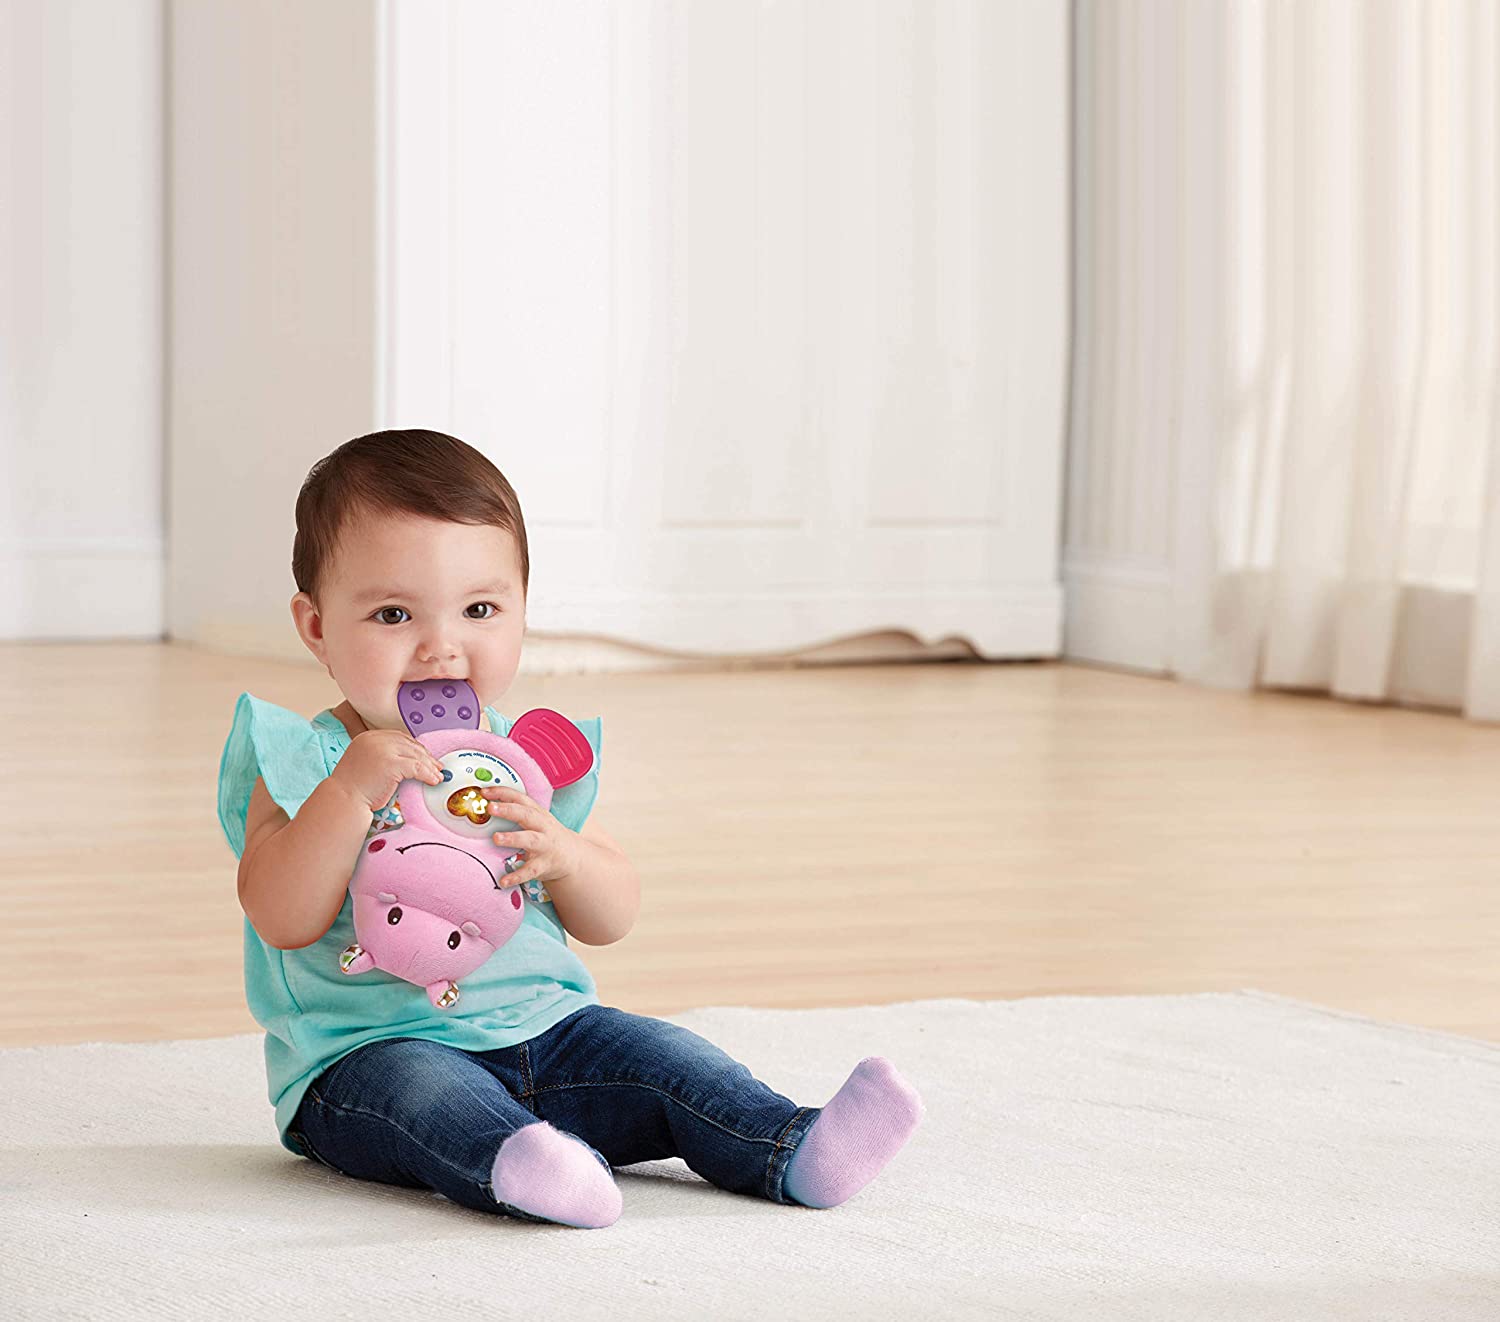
(558, 746)
(309, 626)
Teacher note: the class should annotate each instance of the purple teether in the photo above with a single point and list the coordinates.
(438, 704)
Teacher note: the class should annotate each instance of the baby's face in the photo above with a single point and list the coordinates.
(410, 598)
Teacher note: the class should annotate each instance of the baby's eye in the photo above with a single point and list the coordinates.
(489, 608)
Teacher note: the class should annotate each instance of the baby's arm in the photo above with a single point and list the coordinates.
(295, 873)
(598, 900)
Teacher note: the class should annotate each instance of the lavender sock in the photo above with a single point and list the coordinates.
(863, 1126)
(549, 1173)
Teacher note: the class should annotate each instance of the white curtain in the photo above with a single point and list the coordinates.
(1285, 371)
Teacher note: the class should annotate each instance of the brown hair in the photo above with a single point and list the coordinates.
(413, 472)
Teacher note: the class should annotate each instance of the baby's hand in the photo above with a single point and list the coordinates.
(551, 849)
(377, 761)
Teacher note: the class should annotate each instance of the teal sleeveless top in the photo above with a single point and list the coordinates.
(314, 1013)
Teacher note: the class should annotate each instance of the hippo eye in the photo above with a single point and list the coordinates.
(394, 916)
(453, 940)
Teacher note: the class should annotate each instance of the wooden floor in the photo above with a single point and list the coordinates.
(812, 837)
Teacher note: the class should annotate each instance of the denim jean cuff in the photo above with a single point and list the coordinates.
(781, 1154)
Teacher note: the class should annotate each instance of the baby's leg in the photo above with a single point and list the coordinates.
(418, 1113)
(639, 1089)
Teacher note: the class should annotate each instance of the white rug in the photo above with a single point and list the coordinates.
(1220, 1157)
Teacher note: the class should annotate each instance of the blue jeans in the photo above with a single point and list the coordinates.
(419, 1113)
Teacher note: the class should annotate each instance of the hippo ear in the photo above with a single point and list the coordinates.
(386, 897)
(471, 928)
(558, 745)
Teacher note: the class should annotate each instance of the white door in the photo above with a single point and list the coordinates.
(762, 308)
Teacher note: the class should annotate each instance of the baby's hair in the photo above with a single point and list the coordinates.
(426, 473)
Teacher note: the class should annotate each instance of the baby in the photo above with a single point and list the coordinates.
(411, 563)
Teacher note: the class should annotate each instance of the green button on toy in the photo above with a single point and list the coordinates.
(483, 773)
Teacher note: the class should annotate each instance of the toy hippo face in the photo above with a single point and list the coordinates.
(429, 911)
(430, 905)
(429, 902)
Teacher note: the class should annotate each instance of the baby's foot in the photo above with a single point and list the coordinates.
(861, 1128)
(550, 1173)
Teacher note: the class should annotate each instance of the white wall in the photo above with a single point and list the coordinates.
(904, 354)
(762, 308)
(273, 315)
(82, 552)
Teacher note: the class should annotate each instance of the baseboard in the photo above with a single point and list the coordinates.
(1118, 616)
(88, 589)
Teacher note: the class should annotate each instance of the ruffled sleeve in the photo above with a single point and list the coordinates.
(572, 804)
(282, 748)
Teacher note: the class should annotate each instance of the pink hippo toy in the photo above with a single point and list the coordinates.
(429, 906)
